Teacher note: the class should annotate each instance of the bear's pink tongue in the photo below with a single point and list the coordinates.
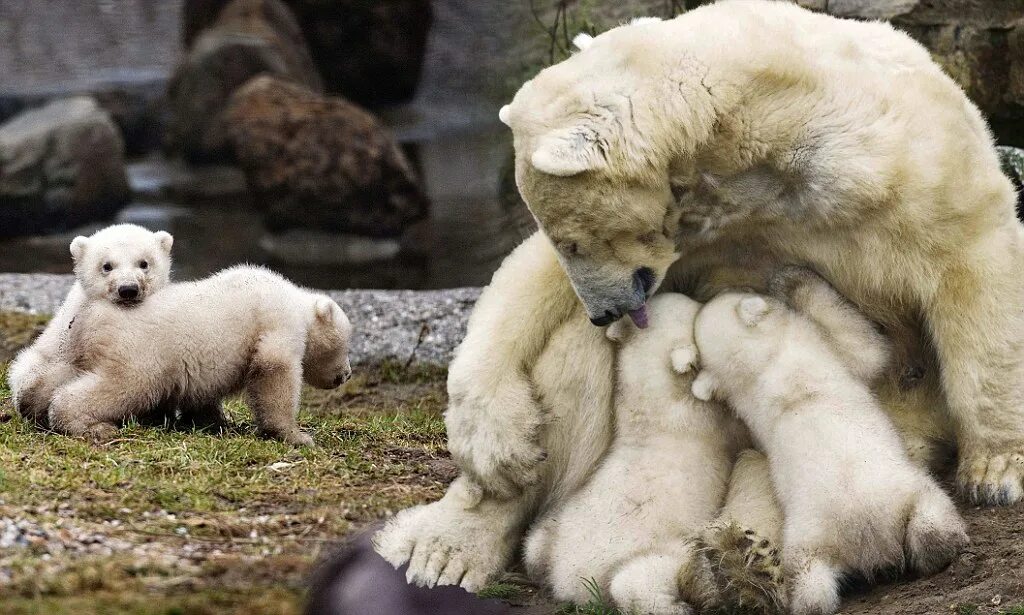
(639, 316)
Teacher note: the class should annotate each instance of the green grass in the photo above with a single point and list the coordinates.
(213, 522)
(597, 605)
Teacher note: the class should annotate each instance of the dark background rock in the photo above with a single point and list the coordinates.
(61, 165)
(321, 163)
(370, 51)
(248, 38)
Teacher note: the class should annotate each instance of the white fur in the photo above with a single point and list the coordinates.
(245, 328)
(39, 369)
(664, 477)
(853, 500)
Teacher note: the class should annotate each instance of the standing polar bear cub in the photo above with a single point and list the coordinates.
(631, 528)
(245, 328)
(122, 265)
(800, 381)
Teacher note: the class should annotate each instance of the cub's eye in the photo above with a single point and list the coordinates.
(143, 265)
(648, 238)
(107, 267)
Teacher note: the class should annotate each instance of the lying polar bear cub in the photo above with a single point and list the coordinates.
(630, 528)
(245, 328)
(853, 501)
(121, 264)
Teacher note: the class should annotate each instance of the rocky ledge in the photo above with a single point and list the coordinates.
(415, 327)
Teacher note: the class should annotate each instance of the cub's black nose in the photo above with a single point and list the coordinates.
(128, 291)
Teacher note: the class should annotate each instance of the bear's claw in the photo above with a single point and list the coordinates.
(996, 479)
(746, 568)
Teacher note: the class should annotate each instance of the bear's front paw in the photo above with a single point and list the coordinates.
(496, 440)
(101, 433)
(746, 567)
(298, 438)
(992, 478)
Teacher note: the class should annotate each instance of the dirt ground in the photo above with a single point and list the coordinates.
(164, 520)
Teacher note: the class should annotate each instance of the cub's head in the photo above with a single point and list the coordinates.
(123, 263)
(736, 333)
(592, 156)
(667, 341)
(326, 364)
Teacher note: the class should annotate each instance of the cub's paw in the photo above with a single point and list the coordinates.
(996, 478)
(298, 438)
(496, 440)
(787, 281)
(746, 568)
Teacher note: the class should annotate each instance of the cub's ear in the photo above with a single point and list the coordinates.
(582, 40)
(752, 310)
(569, 151)
(78, 245)
(505, 115)
(704, 386)
(165, 240)
(619, 331)
(684, 359)
(326, 310)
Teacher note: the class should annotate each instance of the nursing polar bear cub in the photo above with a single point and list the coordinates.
(800, 383)
(631, 529)
(243, 329)
(703, 153)
(121, 264)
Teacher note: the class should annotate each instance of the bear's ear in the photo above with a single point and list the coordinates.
(505, 115)
(78, 245)
(325, 308)
(684, 359)
(752, 310)
(569, 151)
(619, 331)
(165, 240)
(704, 386)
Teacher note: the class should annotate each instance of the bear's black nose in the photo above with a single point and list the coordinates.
(128, 291)
(608, 318)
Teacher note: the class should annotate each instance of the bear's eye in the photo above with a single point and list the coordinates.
(143, 265)
(572, 248)
(107, 267)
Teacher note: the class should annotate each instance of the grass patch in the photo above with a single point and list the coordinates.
(163, 521)
(597, 605)
(500, 591)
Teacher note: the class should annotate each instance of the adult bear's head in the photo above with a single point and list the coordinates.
(594, 141)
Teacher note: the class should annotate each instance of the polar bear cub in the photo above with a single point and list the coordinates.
(853, 500)
(629, 529)
(245, 328)
(121, 264)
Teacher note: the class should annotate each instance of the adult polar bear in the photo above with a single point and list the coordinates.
(702, 153)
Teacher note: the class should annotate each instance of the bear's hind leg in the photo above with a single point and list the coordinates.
(93, 405)
(814, 587)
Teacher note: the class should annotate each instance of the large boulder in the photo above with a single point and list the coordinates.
(61, 165)
(248, 38)
(321, 163)
(370, 51)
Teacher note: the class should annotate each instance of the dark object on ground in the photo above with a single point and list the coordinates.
(357, 581)
(368, 51)
(248, 38)
(321, 163)
(61, 165)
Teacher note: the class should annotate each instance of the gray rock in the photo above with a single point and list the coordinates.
(60, 165)
(422, 327)
(1012, 161)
